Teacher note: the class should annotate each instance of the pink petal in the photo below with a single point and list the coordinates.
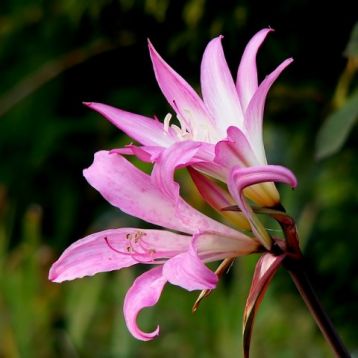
(144, 130)
(242, 178)
(212, 169)
(145, 292)
(218, 198)
(91, 255)
(206, 162)
(265, 269)
(246, 82)
(126, 187)
(115, 249)
(248, 176)
(212, 246)
(148, 154)
(188, 271)
(181, 96)
(235, 150)
(176, 156)
(255, 110)
(218, 88)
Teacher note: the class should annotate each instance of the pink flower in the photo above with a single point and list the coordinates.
(222, 130)
(218, 134)
(180, 254)
(220, 137)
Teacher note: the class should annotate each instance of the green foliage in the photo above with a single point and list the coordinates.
(337, 127)
(339, 124)
(56, 54)
(351, 50)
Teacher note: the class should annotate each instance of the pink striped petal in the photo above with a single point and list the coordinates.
(144, 130)
(246, 82)
(126, 187)
(145, 292)
(181, 96)
(176, 156)
(91, 255)
(115, 249)
(265, 269)
(242, 178)
(218, 88)
(188, 271)
(255, 110)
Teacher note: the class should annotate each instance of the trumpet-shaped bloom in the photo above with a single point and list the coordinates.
(180, 254)
(223, 129)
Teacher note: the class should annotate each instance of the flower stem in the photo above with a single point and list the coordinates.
(311, 300)
(294, 264)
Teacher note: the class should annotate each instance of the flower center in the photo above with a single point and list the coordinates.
(182, 133)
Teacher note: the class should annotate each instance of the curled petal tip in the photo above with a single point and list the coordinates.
(88, 104)
(291, 179)
(144, 292)
(143, 336)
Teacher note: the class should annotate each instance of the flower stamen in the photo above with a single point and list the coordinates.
(167, 120)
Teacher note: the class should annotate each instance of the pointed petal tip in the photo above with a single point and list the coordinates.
(282, 66)
(150, 45)
(52, 276)
(95, 105)
(152, 50)
(218, 38)
(263, 33)
(56, 276)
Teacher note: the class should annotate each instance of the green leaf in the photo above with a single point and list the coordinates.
(352, 46)
(336, 128)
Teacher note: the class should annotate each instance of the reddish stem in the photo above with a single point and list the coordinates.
(294, 264)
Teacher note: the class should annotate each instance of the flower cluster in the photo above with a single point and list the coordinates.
(218, 139)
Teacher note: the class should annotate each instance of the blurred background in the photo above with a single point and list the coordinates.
(56, 54)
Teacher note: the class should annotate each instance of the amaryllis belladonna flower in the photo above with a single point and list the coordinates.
(179, 254)
(220, 136)
(219, 133)
(228, 119)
